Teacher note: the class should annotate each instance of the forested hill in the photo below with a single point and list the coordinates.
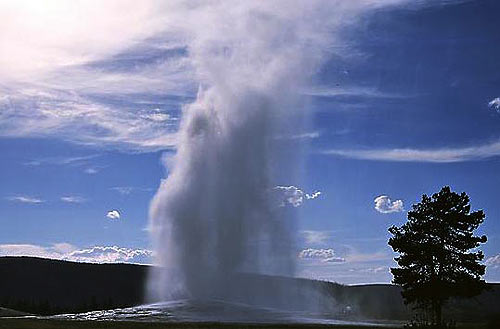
(45, 286)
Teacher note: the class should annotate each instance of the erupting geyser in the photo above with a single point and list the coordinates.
(214, 216)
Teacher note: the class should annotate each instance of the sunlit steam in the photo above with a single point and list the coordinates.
(213, 216)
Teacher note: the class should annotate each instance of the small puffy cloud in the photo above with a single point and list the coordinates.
(294, 196)
(323, 255)
(493, 261)
(25, 199)
(315, 237)
(313, 195)
(73, 199)
(385, 205)
(495, 104)
(113, 214)
(66, 251)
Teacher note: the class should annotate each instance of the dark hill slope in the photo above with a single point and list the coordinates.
(44, 286)
(47, 286)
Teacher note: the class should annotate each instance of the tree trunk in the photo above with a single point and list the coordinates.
(438, 309)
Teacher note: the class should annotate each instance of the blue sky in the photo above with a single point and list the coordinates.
(401, 110)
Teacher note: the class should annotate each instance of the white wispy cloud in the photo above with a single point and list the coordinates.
(73, 199)
(66, 251)
(126, 190)
(310, 134)
(357, 91)
(377, 269)
(495, 103)
(113, 214)
(323, 255)
(123, 190)
(315, 237)
(301, 135)
(493, 261)
(91, 170)
(77, 119)
(54, 84)
(385, 205)
(294, 196)
(442, 155)
(54, 34)
(25, 199)
(78, 70)
(73, 161)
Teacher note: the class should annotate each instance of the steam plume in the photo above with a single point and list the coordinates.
(211, 218)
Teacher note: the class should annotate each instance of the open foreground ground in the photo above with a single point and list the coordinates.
(65, 324)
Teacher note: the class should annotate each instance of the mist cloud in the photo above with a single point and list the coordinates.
(251, 59)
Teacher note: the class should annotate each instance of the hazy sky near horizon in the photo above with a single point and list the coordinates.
(91, 93)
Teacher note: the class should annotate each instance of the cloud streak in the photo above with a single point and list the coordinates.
(442, 155)
(25, 199)
(73, 199)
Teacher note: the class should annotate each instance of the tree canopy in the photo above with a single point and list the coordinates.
(438, 256)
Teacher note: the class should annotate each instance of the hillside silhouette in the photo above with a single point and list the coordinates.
(46, 286)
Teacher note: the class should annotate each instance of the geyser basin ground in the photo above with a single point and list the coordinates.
(190, 314)
(64, 324)
(203, 311)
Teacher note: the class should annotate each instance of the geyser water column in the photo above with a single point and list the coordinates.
(213, 216)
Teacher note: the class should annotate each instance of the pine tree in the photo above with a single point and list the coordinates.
(435, 257)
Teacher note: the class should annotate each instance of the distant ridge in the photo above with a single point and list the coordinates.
(47, 286)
